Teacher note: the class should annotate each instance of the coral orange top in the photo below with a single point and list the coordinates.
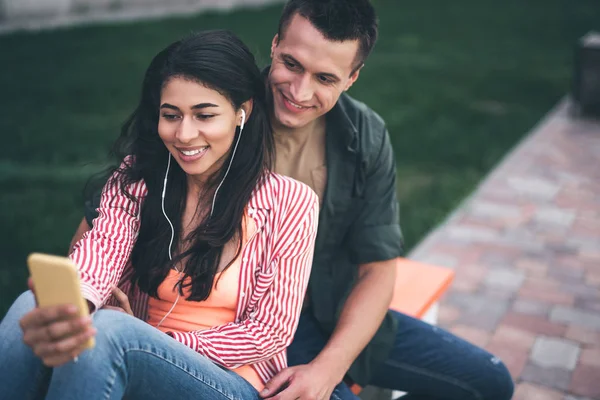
(218, 309)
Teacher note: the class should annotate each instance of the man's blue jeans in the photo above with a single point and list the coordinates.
(131, 359)
(426, 362)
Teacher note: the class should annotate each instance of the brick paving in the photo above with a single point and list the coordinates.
(526, 250)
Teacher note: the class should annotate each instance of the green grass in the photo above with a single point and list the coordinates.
(459, 83)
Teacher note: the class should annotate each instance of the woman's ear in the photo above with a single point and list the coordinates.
(247, 107)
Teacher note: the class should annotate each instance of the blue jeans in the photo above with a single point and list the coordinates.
(131, 359)
(426, 362)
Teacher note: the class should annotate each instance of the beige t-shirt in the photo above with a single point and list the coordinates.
(301, 155)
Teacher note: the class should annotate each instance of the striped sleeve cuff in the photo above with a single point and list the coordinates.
(186, 338)
(91, 294)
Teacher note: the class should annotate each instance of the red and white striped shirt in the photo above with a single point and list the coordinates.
(275, 268)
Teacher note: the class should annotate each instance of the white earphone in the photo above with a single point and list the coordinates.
(212, 208)
(243, 120)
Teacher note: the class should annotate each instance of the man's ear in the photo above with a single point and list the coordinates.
(274, 43)
(353, 77)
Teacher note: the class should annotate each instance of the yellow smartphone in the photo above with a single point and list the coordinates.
(56, 282)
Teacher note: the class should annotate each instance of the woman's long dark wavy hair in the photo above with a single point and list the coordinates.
(220, 61)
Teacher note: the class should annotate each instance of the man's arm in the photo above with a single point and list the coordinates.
(374, 242)
(360, 318)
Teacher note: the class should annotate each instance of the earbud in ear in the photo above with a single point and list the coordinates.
(243, 119)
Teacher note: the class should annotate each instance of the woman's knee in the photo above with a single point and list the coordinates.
(21, 306)
(115, 328)
(11, 334)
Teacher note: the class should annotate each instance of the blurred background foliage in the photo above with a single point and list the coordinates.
(459, 83)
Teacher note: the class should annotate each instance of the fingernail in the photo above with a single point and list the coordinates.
(264, 392)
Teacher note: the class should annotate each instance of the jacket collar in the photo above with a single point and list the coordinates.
(340, 126)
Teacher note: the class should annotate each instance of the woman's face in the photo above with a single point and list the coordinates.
(197, 125)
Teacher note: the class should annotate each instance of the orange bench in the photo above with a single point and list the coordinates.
(417, 290)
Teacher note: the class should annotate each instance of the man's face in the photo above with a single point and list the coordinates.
(308, 73)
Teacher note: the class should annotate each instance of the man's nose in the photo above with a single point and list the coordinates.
(302, 89)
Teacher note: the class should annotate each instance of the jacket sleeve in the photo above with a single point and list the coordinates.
(375, 233)
(103, 252)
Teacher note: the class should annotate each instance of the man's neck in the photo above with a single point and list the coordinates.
(304, 131)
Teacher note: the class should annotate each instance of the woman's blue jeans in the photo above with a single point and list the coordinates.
(131, 359)
(426, 361)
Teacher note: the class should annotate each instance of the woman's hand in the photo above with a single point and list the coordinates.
(121, 297)
(56, 334)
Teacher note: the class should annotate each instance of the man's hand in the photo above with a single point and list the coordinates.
(305, 382)
(56, 334)
(121, 297)
(361, 316)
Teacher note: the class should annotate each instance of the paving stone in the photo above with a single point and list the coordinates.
(502, 294)
(487, 321)
(442, 260)
(514, 358)
(472, 234)
(530, 237)
(542, 284)
(546, 295)
(586, 382)
(498, 259)
(505, 279)
(592, 279)
(555, 216)
(472, 272)
(587, 249)
(513, 337)
(533, 187)
(554, 352)
(568, 274)
(524, 243)
(532, 307)
(464, 285)
(580, 290)
(475, 303)
(590, 357)
(529, 391)
(583, 335)
(534, 324)
(556, 378)
(588, 305)
(478, 311)
(447, 314)
(494, 210)
(570, 315)
(468, 278)
(591, 253)
(532, 267)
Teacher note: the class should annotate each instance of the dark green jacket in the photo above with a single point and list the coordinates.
(358, 222)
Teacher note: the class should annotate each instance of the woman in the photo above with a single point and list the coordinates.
(213, 250)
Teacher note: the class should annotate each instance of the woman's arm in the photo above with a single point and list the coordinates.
(268, 328)
(103, 252)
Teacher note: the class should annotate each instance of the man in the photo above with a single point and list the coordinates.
(341, 149)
